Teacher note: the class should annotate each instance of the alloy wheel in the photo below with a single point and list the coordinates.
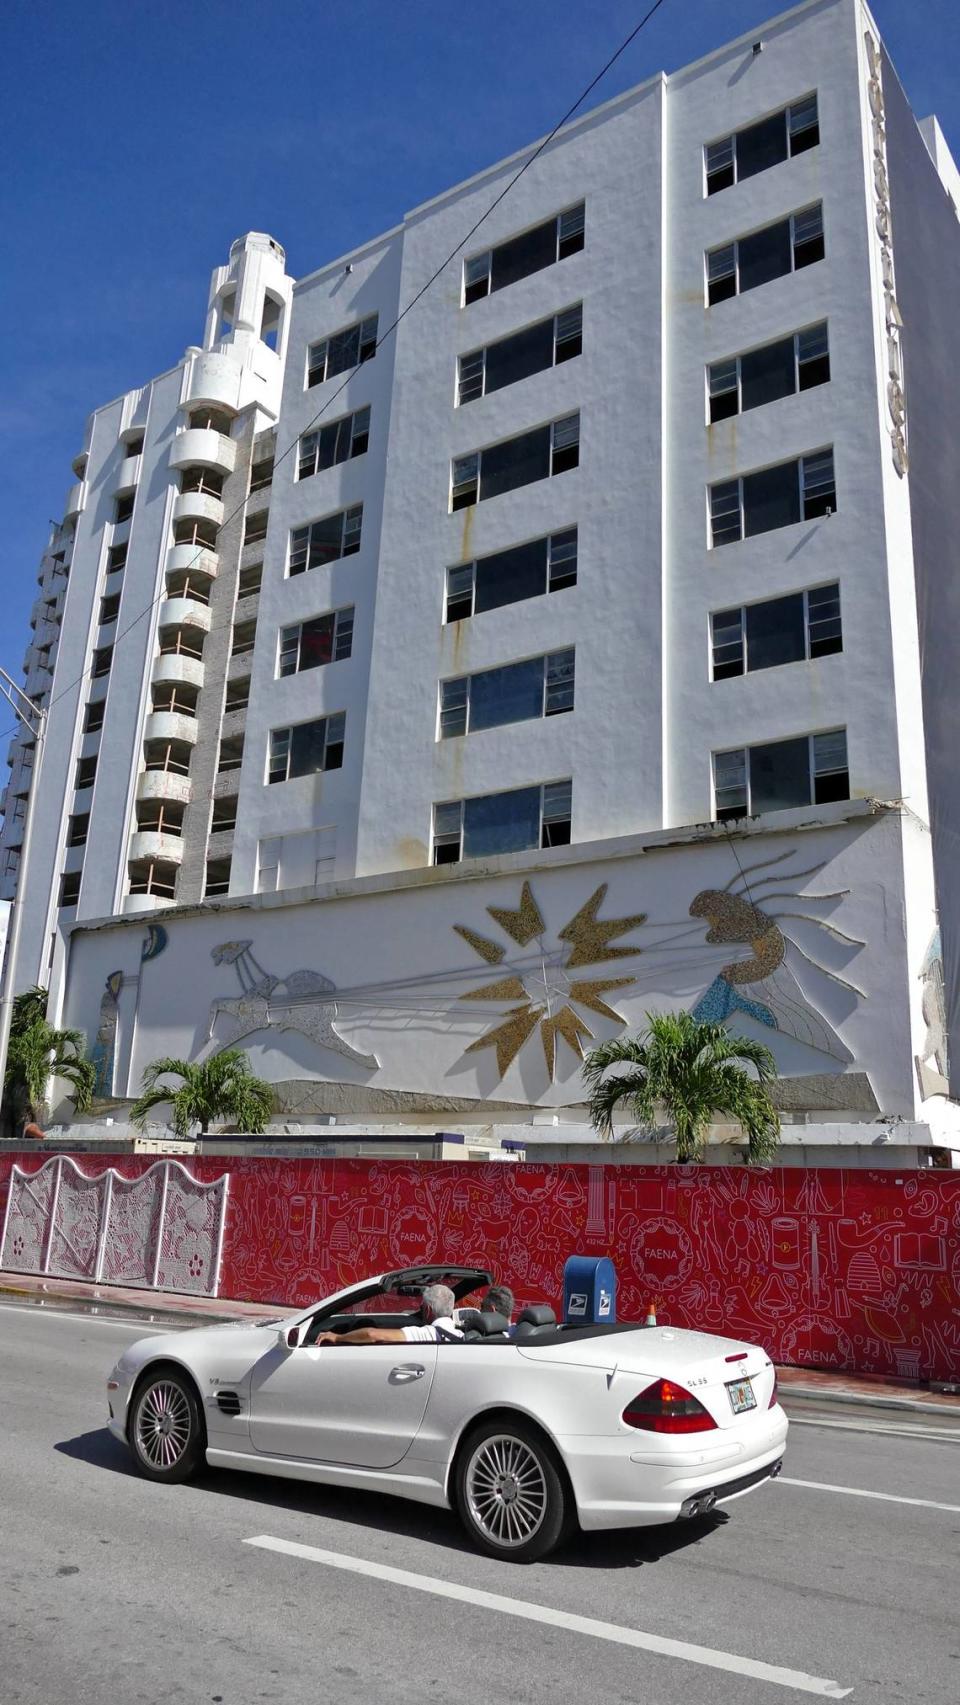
(163, 1424)
(506, 1490)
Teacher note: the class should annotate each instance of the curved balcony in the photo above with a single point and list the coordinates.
(152, 847)
(170, 725)
(174, 668)
(163, 785)
(197, 558)
(129, 473)
(204, 448)
(76, 500)
(198, 506)
(146, 902)
(185, 613)
(213, 378)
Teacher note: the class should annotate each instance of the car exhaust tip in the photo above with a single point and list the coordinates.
(700, 1505)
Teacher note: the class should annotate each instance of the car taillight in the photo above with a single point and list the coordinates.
(667, 1408)
(775, 1393)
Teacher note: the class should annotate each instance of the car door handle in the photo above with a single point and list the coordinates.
(411, 1370)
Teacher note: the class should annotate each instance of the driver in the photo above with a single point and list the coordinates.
(436, 1325)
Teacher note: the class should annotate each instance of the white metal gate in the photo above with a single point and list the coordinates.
(163, 1230)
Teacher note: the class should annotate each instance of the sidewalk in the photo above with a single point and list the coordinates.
(172, 1307)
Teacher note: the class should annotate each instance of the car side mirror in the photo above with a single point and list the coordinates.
(289, 1337)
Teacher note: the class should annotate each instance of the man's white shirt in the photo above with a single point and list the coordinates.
(438, 1332)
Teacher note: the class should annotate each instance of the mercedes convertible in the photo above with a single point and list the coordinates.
(525, 1431)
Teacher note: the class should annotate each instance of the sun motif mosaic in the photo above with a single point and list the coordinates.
(545, 995)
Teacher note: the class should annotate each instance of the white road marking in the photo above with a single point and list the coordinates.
(611, 1631)
(143, 1327)
(889, 1429)
(861, 1492)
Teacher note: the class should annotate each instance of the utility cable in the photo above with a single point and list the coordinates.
(528, 162)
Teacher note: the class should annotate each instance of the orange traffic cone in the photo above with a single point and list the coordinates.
(651, 1319)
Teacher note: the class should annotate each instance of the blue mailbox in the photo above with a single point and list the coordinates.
(589, 1291)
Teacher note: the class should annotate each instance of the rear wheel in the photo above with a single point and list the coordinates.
(510, 1492)
(166, 1431)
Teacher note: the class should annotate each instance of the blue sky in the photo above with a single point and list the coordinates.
(139, 140)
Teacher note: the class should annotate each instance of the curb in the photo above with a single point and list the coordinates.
(852, 1399)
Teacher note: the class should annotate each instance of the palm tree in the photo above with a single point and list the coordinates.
(223, 1087)
(38, 1052)
(691, 1071)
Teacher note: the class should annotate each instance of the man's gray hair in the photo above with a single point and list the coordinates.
(440, 1300)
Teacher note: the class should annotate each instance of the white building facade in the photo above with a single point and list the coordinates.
(616, 548)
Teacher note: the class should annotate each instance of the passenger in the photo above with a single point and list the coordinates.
(499, 1300)
(436, 1325)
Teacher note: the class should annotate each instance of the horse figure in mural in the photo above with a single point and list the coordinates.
(300, 1001)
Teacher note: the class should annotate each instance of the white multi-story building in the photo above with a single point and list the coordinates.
(640, 522)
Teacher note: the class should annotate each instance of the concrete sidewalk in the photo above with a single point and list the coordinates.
(174, 1308)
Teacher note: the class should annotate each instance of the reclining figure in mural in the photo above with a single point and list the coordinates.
(300, 1001)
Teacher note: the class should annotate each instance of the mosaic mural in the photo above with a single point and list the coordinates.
(299, 1001)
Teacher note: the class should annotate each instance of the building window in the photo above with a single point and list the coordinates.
(326, 540)
(210, 420)
(78, 829)
(495, 823)
(109, 609)
(196, 532)
(516, 692)
(179, 698)
(309, 645)
(780, 369)
(307, 748)
(237, 695)
(134, 446)
(70, 888)
(205, 480)
(181, 642)
(507, 577)
(223, 818)
(86, 772)
(521, 354)
(810, 770)
(776, 630)
(101, 662)
(758, 146)
(544, 245)
(249, 580)
(255, 527)
(147, 877)
(170, 756)
(338, 442)
(515, 462)
(344, 350)
(160, 818)
(774, 497)
(217, 877)
(244, 638)
(122, 508)
(763, 255)
(116, 559)
(231, 753)
(261, 474)
(93, 721)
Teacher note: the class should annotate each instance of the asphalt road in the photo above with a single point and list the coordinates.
(113, 1589)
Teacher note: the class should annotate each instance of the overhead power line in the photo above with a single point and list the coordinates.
(518, 174)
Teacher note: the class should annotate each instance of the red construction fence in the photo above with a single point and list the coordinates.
(827, 1268)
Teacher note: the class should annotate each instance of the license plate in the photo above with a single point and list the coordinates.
(740, 1393)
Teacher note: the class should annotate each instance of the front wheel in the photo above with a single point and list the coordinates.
(166, 1430)
(511, 1494)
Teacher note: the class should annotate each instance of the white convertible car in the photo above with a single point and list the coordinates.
(608, 1426)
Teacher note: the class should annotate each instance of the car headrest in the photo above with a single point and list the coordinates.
(488, 1325)
(537, 1314)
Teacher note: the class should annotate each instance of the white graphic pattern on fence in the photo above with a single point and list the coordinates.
(163, 1229)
